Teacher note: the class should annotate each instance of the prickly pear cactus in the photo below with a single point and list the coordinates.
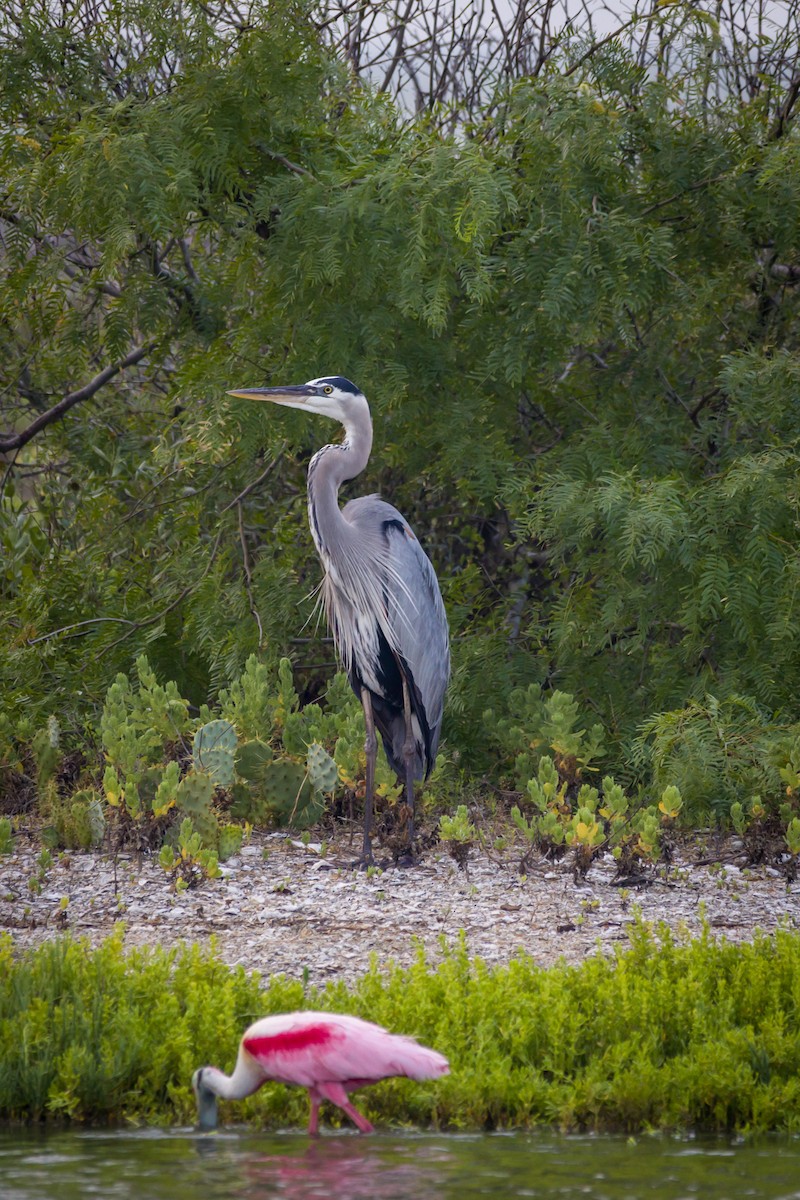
(207, 826)
(194, 792)
(251, 800)
(194, 795)
(248, 806)
(323, 774)
(252, 758)
(290, 795)
(229, 841)
(214, 750)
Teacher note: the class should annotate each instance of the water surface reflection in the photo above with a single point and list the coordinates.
(241, 1165)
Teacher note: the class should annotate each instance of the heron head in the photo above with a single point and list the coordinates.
(206, 1102)
(330, 396)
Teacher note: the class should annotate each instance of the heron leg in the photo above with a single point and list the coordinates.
(371, 748)
(338, 1096)
(409, 754)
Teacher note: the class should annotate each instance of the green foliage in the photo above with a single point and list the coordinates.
(47, 752)
(719, 753)
(248, 702)
(44, 862)
(77, 822)
(287, 789)
(6, 836)
(541, 721)
(666, 1035)
(586, 821)
(457, 828)
(136, 724)
(136, 728)
(793, 836)
(458, 835)
(192, 861)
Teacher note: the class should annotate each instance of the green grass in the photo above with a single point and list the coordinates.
(667, 1034)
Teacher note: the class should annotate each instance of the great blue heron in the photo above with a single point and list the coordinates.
(380, 592)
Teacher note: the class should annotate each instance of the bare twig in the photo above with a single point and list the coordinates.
(45, 637)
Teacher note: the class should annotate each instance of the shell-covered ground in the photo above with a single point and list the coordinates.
(284, 907)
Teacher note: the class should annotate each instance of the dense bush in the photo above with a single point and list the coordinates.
(693, 1035)
(575, 317)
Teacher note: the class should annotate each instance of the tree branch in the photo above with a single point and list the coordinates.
(248, 577)
(264, 475)
(599, 45)
(295, 168)
(784, 113)
(693, 187)
(14, 441)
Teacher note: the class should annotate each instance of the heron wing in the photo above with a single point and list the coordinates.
(409, 621)
(417, 621)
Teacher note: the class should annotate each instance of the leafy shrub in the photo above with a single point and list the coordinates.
(563, 818)
(76, 822)
(541, 722)
(719, 753)
(458, 835)
(191, 861)
(666, 1034)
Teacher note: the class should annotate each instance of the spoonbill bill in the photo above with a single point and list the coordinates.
(329, 1053)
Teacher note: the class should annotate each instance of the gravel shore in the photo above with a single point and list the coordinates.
(283, 907)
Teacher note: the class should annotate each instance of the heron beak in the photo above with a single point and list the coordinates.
(295, 396)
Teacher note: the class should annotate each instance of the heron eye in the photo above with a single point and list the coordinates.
(327, 389)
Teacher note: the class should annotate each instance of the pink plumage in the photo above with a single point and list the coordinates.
(329, 1053)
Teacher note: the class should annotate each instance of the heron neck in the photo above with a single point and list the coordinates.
(328, 470)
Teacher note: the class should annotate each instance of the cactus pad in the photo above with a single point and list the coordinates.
(194, 793)
(229, 841)
(213, 751)
(289, 794)
(252, 758)
(323, 772)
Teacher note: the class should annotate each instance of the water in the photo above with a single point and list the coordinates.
(241, 1165)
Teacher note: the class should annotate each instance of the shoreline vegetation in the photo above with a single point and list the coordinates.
(668, 1034)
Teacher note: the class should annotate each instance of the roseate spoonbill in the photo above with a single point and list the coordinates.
(380, 592)
(328, 1053)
